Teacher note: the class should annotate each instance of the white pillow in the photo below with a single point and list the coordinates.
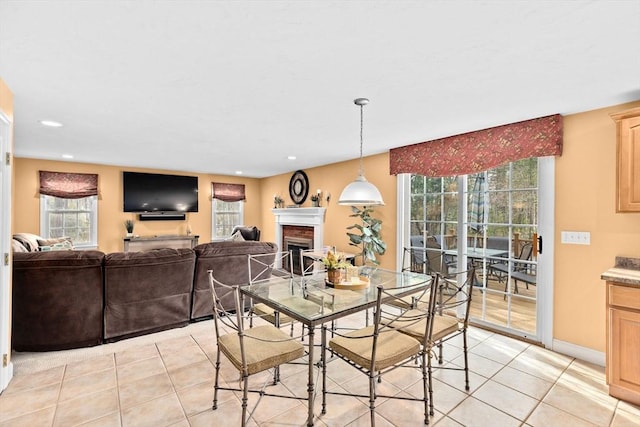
(237, 237)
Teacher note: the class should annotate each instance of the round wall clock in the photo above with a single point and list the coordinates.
(299, 187)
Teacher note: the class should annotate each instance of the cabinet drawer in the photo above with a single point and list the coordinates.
(624, 296)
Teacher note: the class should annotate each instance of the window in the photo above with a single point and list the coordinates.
(74, 218)
(226, 215)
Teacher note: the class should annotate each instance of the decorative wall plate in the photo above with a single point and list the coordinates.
(299, 187)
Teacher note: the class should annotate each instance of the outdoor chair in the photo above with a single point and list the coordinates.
(520, 270)
(250, 351)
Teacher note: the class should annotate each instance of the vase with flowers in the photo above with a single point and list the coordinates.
(334, 262)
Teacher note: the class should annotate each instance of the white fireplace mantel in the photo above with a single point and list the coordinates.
(308, 217)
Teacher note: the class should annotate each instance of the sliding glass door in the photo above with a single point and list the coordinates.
(488, 220)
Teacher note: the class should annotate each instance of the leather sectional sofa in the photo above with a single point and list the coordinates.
(70, 299)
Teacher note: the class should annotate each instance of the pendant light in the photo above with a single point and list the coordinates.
(360, 191)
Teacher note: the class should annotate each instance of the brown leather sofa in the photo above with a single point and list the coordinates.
(70, 298)
(57, 300)
(147, 291)
(229, 262)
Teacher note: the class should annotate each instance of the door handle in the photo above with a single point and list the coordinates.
(539, 244)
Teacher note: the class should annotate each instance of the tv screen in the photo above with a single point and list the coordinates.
(150, 192)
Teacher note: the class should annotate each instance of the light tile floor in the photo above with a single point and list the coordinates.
(169, 382)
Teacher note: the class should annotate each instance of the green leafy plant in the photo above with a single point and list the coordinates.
(368, 238)
(128, 224)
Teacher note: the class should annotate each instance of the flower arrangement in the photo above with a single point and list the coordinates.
(335, 261)
(278, 202)
(128, 225)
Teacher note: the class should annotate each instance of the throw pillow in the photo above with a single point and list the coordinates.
(237, 237)
(17, 246)
(28, 240)
(61, 243)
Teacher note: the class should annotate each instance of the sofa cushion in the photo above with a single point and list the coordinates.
(147, 291)
(57, 300)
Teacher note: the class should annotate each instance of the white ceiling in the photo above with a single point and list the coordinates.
(222, 86)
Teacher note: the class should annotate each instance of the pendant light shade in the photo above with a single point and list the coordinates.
(360, 191)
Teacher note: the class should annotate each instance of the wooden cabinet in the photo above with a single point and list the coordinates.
(623, 341)
(628, 160)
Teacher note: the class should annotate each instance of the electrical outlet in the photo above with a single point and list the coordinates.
(575, 237)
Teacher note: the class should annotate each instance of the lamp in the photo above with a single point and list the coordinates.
(360, 191)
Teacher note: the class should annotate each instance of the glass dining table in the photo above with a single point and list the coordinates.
(312, 302)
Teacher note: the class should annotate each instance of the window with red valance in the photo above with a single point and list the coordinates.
(480, 150)
(228, 192)
(68, 185)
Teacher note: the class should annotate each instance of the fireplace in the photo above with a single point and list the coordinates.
(295, 245)
(304, 225)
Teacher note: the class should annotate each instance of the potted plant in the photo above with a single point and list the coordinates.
(334, 262)
(368, 239)
(128, 225)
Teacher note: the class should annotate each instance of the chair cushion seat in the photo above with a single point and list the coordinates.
(265, 347)
(269, 314)
(443, 325)
(392, 347)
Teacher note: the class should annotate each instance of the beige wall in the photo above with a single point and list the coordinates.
(111, 229)
(333, 178)
(585, 201)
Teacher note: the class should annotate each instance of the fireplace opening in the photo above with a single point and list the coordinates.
(295, 245)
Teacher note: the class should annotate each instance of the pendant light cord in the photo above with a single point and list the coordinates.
(361, 126)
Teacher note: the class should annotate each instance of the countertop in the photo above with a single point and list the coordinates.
(626, 271)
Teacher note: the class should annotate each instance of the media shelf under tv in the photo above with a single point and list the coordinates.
(174, 241)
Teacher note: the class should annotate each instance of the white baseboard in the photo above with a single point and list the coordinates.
(582, 353)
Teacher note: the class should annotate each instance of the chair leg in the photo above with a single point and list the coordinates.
(440, 358)
(426, 389)
(323, 359)
(372, 397)
(430, 377)
(245, 398)
(466, 360)
(215, 384)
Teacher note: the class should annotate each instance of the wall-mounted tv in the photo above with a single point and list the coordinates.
(158, 193)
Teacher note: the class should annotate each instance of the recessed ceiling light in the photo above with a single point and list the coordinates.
(50, 123)
(238, 172)
(67, 156)
(291, 157)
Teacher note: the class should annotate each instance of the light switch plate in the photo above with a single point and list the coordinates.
(575, 237)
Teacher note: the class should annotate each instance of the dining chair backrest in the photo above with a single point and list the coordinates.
(455, 293)
(264, 266)
(310, 264)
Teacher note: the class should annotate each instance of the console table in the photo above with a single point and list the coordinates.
(144, 243)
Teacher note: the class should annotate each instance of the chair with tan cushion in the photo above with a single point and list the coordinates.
(452, 308)
(250, 350)
(381, 348)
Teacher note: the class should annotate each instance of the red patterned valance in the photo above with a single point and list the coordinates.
(68, 185)
(228, 192)
(481, 150)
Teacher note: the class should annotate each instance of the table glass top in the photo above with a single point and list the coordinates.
(309, 299)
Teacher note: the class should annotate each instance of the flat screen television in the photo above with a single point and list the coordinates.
(151, 192)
